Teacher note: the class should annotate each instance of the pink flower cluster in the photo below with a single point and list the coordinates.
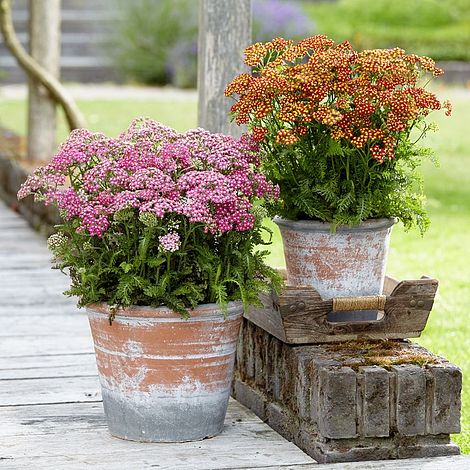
(211, 179)
(170, 242)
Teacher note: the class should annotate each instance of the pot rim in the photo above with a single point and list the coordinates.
(318, 226)
(234, 308)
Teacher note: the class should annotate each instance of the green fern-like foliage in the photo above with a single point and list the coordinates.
(322, 179)
(128, 267)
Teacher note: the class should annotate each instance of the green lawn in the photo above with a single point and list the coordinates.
(444, 252)
(110, 117)
(426, 27)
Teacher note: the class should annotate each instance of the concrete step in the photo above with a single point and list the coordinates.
(19, 5)
(68, 74)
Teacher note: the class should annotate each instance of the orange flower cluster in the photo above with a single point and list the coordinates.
(364, 99)
(286, 136)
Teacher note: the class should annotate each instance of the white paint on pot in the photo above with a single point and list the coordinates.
(348, 263)
(172, 417)
(164, 378)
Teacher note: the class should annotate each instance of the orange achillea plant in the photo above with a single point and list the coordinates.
(336, 126)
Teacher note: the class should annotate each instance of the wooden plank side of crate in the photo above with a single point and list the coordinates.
(299, 315)
(389, 284)
(267, 317)
(406, 313)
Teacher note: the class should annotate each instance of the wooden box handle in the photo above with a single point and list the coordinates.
(375, 302)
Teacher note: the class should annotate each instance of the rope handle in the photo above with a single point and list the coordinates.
(375, 302)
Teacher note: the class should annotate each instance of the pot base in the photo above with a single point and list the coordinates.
(147, 418)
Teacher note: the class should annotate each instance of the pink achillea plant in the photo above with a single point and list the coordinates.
(157, 217)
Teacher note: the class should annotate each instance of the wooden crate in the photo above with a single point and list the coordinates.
(300, 316)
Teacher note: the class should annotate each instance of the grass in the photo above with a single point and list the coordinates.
(109, 117)
(443, 253)
(424, 27)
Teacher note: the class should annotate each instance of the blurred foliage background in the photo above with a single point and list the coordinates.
(155, 42)
(435, 28)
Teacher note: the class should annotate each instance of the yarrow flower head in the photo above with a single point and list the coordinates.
(335, 127)
(123, 215)
(87, 246)
(364, 99)
(148, 219)
(170, 242)
(56, 242)
(151, 170)
(156, 217)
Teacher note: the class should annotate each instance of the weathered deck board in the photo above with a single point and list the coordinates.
(40, 325)
(44, 309)
(50, 414)
(14, 295)
(43, 372)
(18, 346)
(28, 273)
(60, 435)
(458, 462)
(50, 410)
(44, 366)
(46, 419)
(65, 389)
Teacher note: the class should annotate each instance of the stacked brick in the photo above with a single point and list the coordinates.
(337, 409)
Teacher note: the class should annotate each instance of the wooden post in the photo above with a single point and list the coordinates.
(44, 41)
(224, 32)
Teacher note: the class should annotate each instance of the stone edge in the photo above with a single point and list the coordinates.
(12, 176)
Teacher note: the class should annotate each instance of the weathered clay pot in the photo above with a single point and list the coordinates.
(163, 378)
(348, 263)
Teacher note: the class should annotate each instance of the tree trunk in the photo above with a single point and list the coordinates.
(73, 115)
(44, 43)
(224, 32)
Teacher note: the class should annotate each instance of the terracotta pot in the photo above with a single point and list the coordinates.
(348, 263)
(163, 378)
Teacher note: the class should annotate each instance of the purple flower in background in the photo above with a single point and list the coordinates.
(182, 66)
(272, 18)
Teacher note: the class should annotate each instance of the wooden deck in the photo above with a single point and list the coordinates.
(51, 415)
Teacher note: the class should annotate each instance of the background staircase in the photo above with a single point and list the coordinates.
(86, 27)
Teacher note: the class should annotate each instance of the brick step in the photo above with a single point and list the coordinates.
(338, 405)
